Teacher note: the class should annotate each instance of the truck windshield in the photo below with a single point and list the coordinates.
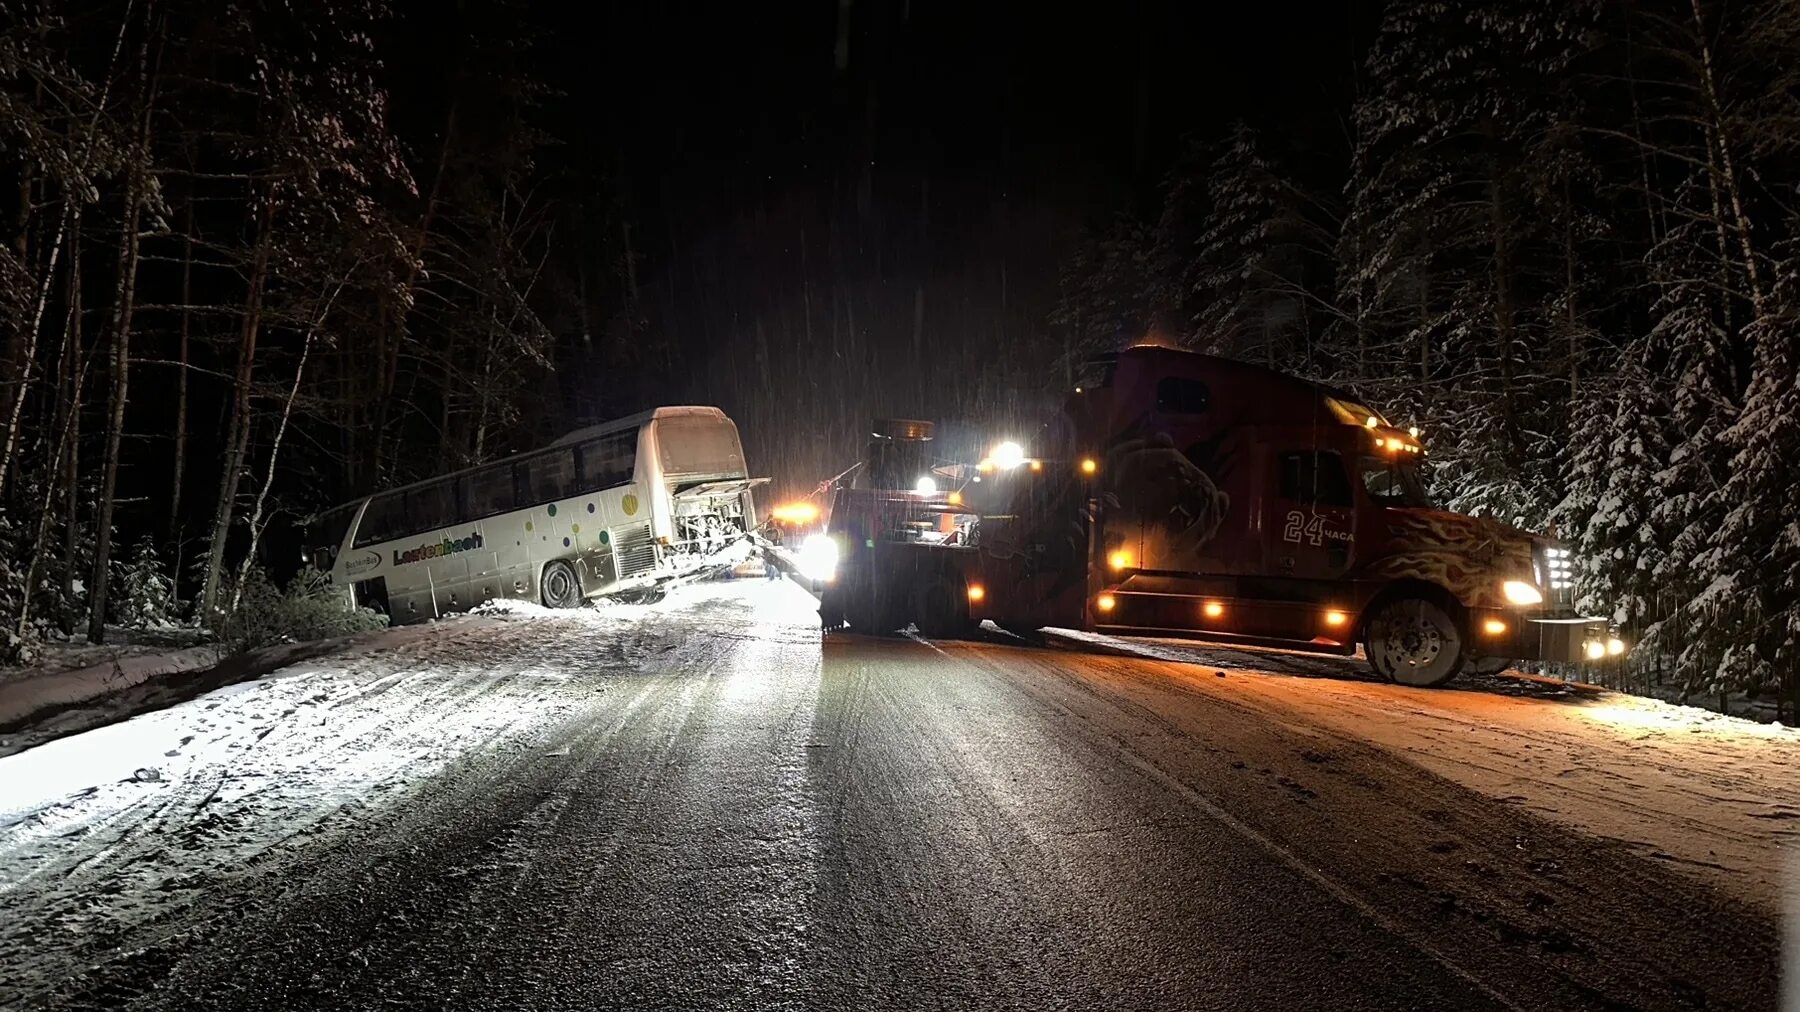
(1391, 482)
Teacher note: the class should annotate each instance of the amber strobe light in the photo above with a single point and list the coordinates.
(1104, 602)
(1493, 627)
(1212, 609)
(1335, 618)
(795, 513)
(1119, 560)
(977, 592)
(1089, 465)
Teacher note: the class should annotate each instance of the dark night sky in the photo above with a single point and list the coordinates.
(842, 210)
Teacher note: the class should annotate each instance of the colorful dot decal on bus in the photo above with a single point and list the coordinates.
(565, 542)
(629, 504)
(590, 507)
(528, 525)
(550, 509)
(606, 537)
(574, 528)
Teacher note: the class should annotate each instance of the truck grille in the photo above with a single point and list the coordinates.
(634, 549)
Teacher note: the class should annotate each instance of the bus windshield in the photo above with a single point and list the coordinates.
(1391, 482)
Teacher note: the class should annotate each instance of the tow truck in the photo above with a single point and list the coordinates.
(1185, 495)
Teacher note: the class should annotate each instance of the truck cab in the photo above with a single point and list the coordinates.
(1187, 495)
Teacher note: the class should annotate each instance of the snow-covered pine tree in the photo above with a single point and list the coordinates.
(1755, 550)
(1447, 233)
(1241, 281)
(1619, 444)
(1108, 291)
(146, 590)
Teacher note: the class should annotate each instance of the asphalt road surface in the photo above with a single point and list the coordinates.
(707, 806)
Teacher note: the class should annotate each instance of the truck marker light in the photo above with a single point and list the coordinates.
(1089, 465)
(1104, 602)
(1615, 646)
(1119, 560)
(1335, 618)
(954, 499)
(1213, 609)
(1413, 432)
(1379, 443)
(1521, 593)
(977, 592)
(1037, 465)
(1371, 423)
(1493, 627)
(925, 485)
(1595, 649)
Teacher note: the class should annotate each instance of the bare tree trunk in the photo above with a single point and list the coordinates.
(124, 296)
(11, 443)
(1716, 114)
(67, 418)
(395, 333)
(181, 378)
(28, 357)
(238, 441)
(1571, 318)
(1504, 314)
(262, 494)
(74, 370)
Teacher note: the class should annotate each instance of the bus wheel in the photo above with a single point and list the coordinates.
(1414, 641)
(940, 609)
(559, 587)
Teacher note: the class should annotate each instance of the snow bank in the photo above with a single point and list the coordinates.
(28, 693)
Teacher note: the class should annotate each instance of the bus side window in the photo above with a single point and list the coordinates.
(1315, 479)
(384, 520)
(607, 462)
(488, 491)
(546, 477)
(432, 506)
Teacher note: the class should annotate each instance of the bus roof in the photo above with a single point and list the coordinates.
(578, 436)
(638, 420)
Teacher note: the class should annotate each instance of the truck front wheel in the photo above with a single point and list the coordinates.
(941, 609)
(1414, 641)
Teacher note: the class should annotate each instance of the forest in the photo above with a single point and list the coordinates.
(1563, 240)
(261, 258)
(232, 294)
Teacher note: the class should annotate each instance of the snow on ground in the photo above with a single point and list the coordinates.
(126, 824)
(1717, 797)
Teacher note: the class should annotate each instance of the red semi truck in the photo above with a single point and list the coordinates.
(1178, 494)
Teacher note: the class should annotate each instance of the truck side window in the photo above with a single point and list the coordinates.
(1315, 479)
(1178, 395)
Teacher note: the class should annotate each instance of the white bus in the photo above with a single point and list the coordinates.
(616, 509)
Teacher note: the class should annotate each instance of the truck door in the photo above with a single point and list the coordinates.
(1310, 530)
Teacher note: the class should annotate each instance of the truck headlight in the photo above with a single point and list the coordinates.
(1521, 593)
(818, 558)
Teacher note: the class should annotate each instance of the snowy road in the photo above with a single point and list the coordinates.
(700, 805)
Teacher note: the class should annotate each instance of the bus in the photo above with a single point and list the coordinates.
(611, 510)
